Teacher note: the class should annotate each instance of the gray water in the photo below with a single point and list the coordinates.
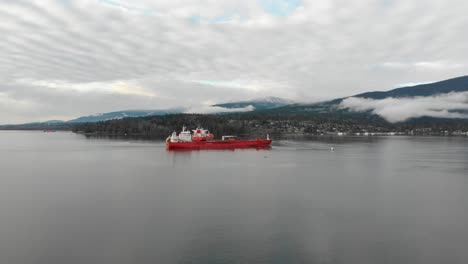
(68, 199)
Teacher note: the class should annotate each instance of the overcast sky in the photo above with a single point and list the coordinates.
(61, 59)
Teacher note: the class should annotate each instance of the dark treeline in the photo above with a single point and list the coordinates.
(248, 125)
(162, 126)
(242, 125)
(256, 125)
(39, 126)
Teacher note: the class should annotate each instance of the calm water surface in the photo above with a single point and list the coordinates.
(68, 199)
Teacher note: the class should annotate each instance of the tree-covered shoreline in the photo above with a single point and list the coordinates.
(255, 125)
(245, 125)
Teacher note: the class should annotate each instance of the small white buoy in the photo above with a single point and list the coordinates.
(332, 148)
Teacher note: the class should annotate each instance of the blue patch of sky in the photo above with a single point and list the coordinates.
(196, 19)
(280, 8)
(386, 3)
(145, 11)
(65, 2)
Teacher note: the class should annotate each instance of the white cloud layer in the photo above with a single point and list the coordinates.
(451, 105)
(117, 87)
(217, 109)
(104, 55)
(424, 65)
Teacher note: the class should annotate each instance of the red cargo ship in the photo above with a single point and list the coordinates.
(203, 139)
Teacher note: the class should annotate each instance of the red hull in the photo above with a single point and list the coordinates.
(220, 144)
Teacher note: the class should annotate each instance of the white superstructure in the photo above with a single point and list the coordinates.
(199, 134)
(185, 135)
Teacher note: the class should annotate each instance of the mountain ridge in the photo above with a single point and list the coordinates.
(334, 109)
(279, 106)
(259, 103)
(457, 84)
(122, 114)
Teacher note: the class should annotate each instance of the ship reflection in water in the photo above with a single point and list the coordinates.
(183, 150)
